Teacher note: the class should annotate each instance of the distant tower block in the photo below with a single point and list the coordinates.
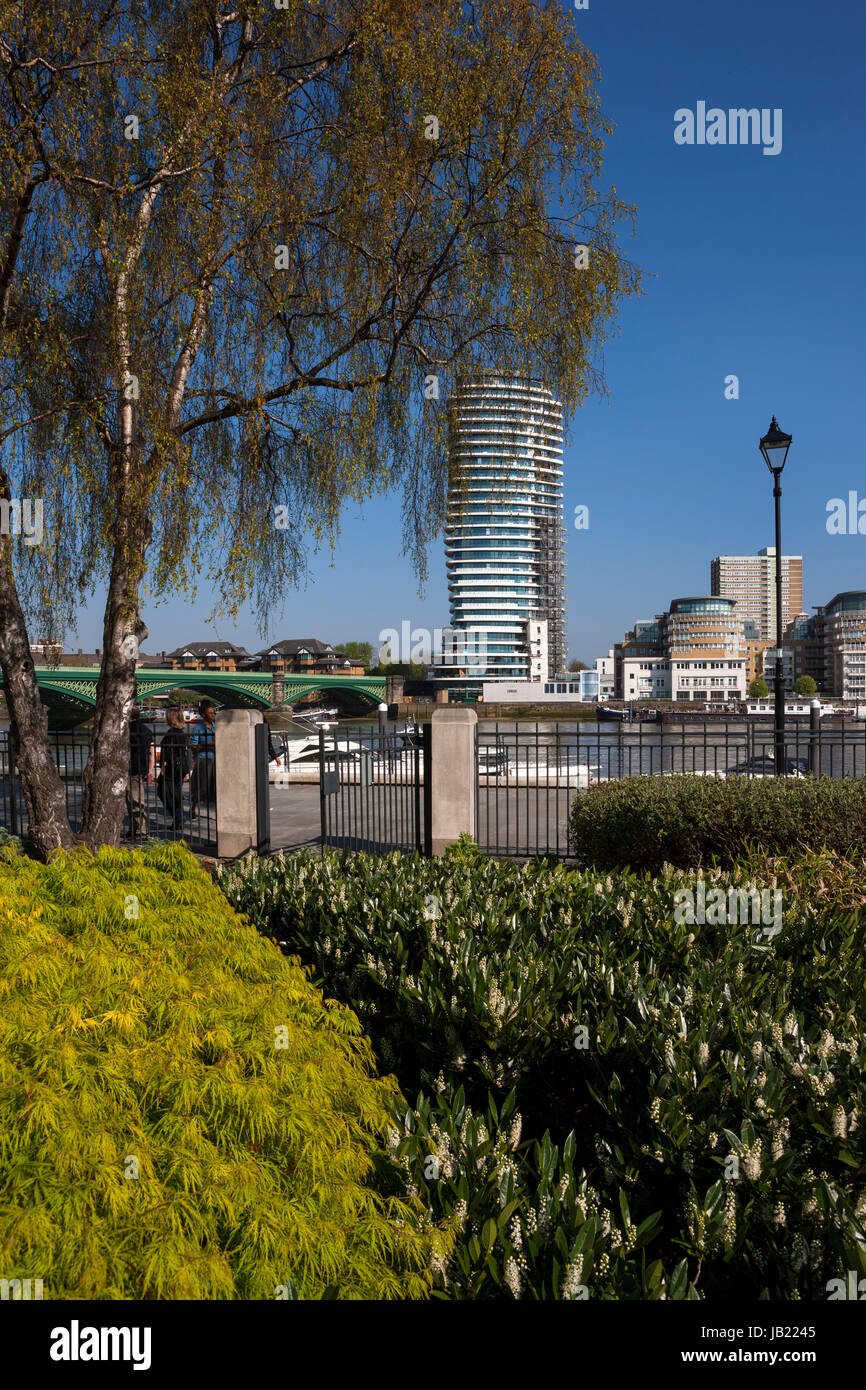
(751, 581)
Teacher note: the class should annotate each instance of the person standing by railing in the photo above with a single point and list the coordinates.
(142, 762)
(175, 766)
(202, 787)
(275, 754)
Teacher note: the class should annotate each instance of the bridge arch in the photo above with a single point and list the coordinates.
(70, 692)
(234, 689)
(368, 690)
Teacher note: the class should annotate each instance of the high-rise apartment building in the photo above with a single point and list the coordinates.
(751, 581)
(504, 533)
(830, 646)
(843, 624)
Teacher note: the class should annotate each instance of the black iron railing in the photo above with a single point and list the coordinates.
(370, 788)
(163, 818)
(527, 775)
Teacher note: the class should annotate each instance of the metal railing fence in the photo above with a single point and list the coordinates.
(161, 819)
(370, 788)
(527, 775)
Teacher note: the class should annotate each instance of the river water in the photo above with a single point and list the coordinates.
(608, 749)
(611, 750)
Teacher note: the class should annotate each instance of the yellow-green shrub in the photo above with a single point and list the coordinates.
(140, 1022)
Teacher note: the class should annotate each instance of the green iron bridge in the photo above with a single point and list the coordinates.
(69, 692)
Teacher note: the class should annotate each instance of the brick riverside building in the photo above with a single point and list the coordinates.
(304, 656)
(207, 656)
(751, 581)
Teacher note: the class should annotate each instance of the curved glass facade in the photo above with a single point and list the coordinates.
(504, 535)
(702, 605)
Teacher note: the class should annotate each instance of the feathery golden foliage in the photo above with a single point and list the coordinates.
(147, 1027)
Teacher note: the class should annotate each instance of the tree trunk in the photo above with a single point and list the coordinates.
(106, 776)
(40, 781)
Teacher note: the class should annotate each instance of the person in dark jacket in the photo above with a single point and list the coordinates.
(202, 787)
(142, 757)
(175, 766)
(275, 754)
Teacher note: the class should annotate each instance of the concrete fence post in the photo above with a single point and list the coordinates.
(450, 778)
(235, 757)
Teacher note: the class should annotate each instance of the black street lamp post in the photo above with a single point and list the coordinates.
(774, 446)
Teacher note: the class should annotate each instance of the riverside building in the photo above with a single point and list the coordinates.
(830, 646)
(571, 687)
(697, 650)
(706, 649)
(843, 627)
(504, 534)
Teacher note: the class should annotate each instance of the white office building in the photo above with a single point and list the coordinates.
(645, 678)
(571, 687)
(605, 667)
(717, 681)
(684, 678)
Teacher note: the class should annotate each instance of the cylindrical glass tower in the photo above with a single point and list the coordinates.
(504, 534)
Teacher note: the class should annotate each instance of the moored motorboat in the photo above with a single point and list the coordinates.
(605, 712)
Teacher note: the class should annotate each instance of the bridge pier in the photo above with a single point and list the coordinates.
(394, 689)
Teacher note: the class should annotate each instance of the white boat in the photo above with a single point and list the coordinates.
(528, 766)
(402, 751)
(492, 761)
(357, 763)
(549, 774)
(792, 707)
(302, 755)
(522, 769)
(694, 772)
(764, 765)
(315, 718)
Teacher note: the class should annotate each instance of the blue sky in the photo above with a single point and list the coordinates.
(755, 267)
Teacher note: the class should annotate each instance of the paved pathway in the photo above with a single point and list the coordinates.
(295, 817)
(510, 822)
